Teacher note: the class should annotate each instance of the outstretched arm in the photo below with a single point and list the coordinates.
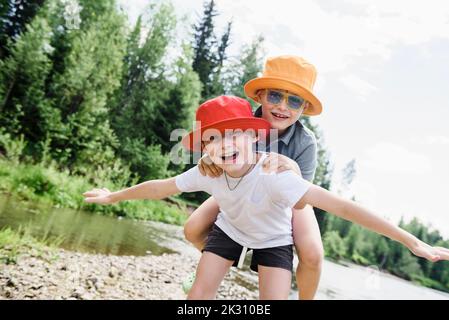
(349, 210)
(153, 189)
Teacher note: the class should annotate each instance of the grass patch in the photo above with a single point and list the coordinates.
(14, 243)
(430, 283)
(45, 184)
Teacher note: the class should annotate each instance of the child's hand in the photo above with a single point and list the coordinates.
(207, 167)
(99, 196)
(277, 163)
(434, 254)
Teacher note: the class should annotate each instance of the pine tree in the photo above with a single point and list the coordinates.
(217, 83)
(91, 10)
(92, 72)
(381, 250)
(144, 86)
(422, 232)
(440, 270)
(23, 106)
(204, 42)
(4, 11)
(323, 174)
(209, 54)
(353, 240)
(154, 98)
(247, 66)
(14, 16)
(224, 44)
(407, 265)
(179, 109)
(334, 245)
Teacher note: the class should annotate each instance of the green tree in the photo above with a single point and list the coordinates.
(91, 10)
(92, 72)
(323, 174)
(209, 53)
(183, 99)
(23, 106)
(407, 265)
(59, 14)
(14, 16)
(381, 250)
(217, 82)
(143, 90)
(334, 223)
(144, 85)
(247, 66)
(424, 233)
(204, 42)
(334, 245)
(440, 270)
(154, 98)
(353, 238)
(147, 161)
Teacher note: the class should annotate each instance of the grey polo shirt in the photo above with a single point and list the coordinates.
(297, 143)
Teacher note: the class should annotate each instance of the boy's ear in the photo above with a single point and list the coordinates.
(259, 95)
(307, 105)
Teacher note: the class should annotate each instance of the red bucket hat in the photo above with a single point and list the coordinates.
(223, 113)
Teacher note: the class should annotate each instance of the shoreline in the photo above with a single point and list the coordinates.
(167, 221)
(58, 274)
(44, 272)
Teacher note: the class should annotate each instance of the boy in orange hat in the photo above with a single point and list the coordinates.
(285, 93)
(255, 207)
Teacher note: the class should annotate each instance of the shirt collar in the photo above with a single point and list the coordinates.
(287, 135)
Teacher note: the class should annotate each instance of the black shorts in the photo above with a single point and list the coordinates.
(219, 243)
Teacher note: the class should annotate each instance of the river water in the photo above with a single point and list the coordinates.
(87, 232)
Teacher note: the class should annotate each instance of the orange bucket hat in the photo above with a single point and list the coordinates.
(290, 73)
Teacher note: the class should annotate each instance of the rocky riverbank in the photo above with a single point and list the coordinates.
(61, 274)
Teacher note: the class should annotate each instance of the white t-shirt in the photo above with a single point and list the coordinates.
(257, 214)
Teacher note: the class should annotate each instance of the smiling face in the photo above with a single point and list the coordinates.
(280, 116)
(231, 151)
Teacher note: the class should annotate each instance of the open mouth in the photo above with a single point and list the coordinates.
(230, 156)
(279, 116)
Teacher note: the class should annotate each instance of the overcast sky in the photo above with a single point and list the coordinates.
(383, 79)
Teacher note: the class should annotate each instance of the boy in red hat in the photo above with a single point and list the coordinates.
(255, 207)
(285, 92)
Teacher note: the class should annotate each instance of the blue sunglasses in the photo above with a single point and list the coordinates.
(294, 102)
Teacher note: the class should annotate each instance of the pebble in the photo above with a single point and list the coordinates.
(81, 276)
